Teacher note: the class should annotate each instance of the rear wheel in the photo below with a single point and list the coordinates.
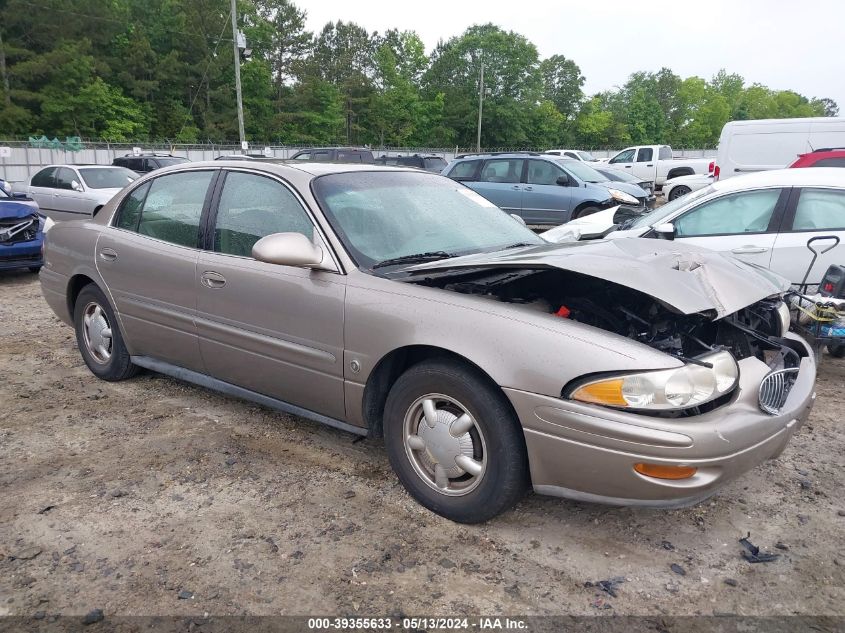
(677, 192)
(99, 338)
(837, 351)
(583, 212)
(454, 442)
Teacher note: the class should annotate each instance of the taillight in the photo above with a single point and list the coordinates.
(711, 166)
(716, 172)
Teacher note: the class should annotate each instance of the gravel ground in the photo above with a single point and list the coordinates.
(156, 497)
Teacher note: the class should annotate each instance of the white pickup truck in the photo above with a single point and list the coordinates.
(657, 163)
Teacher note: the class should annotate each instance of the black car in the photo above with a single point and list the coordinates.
(428, 162)
(336, 155)
(143, 163)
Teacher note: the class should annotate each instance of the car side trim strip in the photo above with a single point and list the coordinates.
(203, 380)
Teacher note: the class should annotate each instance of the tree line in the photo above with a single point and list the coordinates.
(135, 70)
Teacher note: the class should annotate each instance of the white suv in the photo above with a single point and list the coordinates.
(764, 218)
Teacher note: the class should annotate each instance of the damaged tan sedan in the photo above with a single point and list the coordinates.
(399, 303)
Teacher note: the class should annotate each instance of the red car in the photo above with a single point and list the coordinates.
(828, 157)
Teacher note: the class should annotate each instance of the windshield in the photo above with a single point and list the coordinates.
(650, 219)
(582, 171)
(587, 157)
(107, 177)
(435, 163)
(618, 176)
(381, 216)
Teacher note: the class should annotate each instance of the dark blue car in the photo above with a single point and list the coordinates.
(21, 232)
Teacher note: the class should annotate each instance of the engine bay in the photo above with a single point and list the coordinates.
(753, 331)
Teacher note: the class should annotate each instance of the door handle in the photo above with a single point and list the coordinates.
(627, 167)
(748, 250)
(650, 165)
(108, 255)
(515, 187)
(213, 280)
(529, 189)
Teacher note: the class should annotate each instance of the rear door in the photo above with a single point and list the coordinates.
(544, 201)
(743, 224)
(500, 181)
(148, 259)
(814, 213)
(276, 330)
(42, 187)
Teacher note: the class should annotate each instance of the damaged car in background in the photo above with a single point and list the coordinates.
(391, 302)
(21, 232)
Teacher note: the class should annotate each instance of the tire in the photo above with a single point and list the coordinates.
(837, 351)
(583, 212)
(492, 442)
(106, 356)
(35, 269)
(677, 192)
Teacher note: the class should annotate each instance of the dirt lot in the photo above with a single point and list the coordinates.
(155, 497)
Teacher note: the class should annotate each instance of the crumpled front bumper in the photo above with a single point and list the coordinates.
(588, 452)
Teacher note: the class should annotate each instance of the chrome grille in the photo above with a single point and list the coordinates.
(775, 388)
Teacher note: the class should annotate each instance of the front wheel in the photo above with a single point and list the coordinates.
(454, 442)
(837, 351)
(35, 269)
(677, 192)
(99, 338)
(583, 212)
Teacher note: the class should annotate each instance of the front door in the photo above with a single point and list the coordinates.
(543, 200)
(276, 330)
(500, 182)
(148, 259)
(70, 202)
(742, 224)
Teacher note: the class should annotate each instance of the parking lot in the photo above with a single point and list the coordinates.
(154, 496)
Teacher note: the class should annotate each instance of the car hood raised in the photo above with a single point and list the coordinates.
(685, 278)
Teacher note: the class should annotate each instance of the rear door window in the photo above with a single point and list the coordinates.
(173, 207)
(645, 154)
(45, 178)
(820, 210)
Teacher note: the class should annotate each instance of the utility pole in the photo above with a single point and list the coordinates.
(237, 52)
(480, 103)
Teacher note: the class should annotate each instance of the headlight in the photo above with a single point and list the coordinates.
(785, 318)
(664, 390)
(621, 196)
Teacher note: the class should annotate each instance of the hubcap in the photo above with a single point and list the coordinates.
(96, 331)
(444, 444)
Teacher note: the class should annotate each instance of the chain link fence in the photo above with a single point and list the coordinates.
(19, 160)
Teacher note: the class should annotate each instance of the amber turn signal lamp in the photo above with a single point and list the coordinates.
(607, 392)
(662, 471)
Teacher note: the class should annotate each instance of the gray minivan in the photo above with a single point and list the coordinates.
(543, 190)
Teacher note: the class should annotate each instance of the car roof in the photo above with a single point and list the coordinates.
(819, 176)
(281, 166)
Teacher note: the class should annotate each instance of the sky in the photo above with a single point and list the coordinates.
(782, 44)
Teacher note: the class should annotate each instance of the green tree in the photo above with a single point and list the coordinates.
(562, 84)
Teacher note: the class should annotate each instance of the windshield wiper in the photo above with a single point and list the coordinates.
(517, 245)
(413, 259)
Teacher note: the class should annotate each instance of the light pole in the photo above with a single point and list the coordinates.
(480, 103)
(237, 50)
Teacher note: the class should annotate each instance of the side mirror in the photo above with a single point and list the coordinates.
(17, 195)
(563, 180)
(289, 249)
(74, 184)
(665, 231)
(518, 218)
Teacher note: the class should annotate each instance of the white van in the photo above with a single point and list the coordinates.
(749, 146)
